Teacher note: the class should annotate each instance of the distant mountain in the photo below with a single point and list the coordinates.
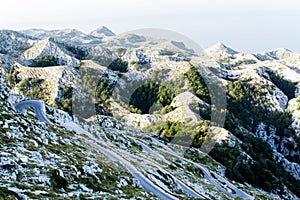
(276, 54)
(66, 35)
(63, 34)
(220, 50)
(102, 31)
(129, 116)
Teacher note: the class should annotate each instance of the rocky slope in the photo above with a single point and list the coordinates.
(241, 109)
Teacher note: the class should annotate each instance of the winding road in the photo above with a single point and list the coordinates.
(237, 192)
(37, 105)
(39, 109)
(146, 183)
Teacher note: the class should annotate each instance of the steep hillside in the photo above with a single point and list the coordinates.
(136, 116)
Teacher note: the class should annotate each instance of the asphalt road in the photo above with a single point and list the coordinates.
(38, 107)
(147, 184)
(237, 192)
(144, 181)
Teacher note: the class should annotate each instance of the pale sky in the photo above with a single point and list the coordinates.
(245, 25)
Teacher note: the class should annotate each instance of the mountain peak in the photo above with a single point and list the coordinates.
(219, 44)
(220, 50)
(102, 31)
(222, 47)
(279, 53)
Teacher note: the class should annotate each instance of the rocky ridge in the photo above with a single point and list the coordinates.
(270, 73)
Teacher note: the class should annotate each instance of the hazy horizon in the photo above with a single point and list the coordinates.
(246, 26)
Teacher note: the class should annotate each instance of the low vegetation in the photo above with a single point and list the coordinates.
(247, 107)
(79, 53)
(65, 101)
(12, 77)
(95, 93)
(298, 104)
(286, 86)
(263, 172)
(33, 88)
(103, 93)
(186, 134)
(149, 95)
(45, 61)
(119, 65)
(228, 62)
(198, 84)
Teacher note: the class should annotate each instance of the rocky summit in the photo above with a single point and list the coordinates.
(106, 116)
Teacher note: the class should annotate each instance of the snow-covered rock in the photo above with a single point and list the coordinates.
(220, 50)
(102, 32)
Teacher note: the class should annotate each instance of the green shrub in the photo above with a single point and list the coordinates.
(148, 95)
(248, 106)
(80, 54)
(57, 181)
(12, 77)
(98, 89)
(77, 67)
(6, 194)
(65, 102)
(298, 106)
(286, 86)
(44, 61)
(227, 61)
(119, 65)
(134, 110)
(198, 84)
(166, 52)
(181, 133)
(168, 108)
(32, 88)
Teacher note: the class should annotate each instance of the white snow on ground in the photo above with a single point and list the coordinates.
(117, 141)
